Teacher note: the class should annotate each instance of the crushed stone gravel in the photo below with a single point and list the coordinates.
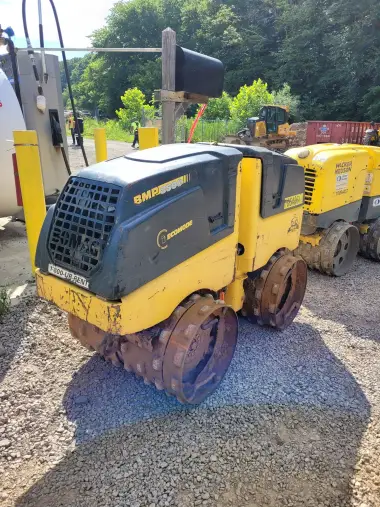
(295, 422)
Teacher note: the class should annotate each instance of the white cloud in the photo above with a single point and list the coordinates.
(78, 19)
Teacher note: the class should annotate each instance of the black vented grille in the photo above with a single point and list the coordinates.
(310, 175)
(83, 220)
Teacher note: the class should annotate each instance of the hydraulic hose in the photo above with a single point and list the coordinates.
(80, 138)
(42, 42)
(31, 54)
(12, 54)
(30, 50)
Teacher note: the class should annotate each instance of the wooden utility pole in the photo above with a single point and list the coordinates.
(168, 84)
(174, 103)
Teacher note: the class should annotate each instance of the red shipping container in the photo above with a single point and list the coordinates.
(336, 132)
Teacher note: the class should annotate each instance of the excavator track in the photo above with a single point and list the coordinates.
(370, 242)
(275, 297)
(336, 251)
(187, 355)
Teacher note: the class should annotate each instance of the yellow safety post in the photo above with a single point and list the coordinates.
(100, 144)
(32, 187)
(148, 137)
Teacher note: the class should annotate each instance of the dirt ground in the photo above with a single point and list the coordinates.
(115, 149)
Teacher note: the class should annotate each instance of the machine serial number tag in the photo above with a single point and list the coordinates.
(293, 201)
(67, 275)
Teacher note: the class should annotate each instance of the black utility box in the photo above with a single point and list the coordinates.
(197, 73)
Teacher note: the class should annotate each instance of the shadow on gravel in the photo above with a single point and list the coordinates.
(351, 300)
(283, 429)
(10, 339)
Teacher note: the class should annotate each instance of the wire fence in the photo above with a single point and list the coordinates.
(206, 130)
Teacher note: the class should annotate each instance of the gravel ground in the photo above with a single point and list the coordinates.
(295, 422)
(114, 148)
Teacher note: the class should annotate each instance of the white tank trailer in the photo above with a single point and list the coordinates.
(12, 117)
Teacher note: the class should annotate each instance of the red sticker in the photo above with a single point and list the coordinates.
(1, 104)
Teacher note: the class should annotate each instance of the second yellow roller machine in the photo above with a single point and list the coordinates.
(342, 205)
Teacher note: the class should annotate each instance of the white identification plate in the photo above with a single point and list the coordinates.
(69, 276)
(341, 182)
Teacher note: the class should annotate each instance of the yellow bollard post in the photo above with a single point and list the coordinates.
(100, 144)
(32, 187)
(148, 137)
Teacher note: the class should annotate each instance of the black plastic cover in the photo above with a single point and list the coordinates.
(197, 73)
(282, 178)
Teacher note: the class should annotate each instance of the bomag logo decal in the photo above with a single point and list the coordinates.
(293, 200)
(161, 189)
(163, 237)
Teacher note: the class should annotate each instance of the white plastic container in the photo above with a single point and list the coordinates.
(11, 119)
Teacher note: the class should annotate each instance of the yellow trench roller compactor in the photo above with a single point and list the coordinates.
(153, 254)
(342, 205)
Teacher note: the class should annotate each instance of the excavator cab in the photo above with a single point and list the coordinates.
(270, 129)
(274, 116)
(269, 121)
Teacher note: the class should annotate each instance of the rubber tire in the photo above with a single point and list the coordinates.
(321, 257)
(370, 242)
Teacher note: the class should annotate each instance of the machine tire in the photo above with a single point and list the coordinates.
(336, 252)
(275, 296)
(187, 355)
(370, 242)
(94, 339)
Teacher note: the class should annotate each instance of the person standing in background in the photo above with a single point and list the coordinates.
(71, 124)
(135, 130)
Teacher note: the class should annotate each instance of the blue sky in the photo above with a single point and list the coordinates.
(78, 19)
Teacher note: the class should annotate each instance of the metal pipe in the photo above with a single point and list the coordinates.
(42, 42)
(97, 50)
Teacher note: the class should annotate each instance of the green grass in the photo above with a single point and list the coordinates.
(5, 303)
(207, 131)
(114, 130)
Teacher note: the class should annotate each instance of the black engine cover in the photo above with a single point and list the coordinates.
(124, 222)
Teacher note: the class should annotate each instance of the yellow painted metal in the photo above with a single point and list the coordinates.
(313, 239)
(262, 237)
(249, 211)
(148, 138)
(335, 175)
(100, 144)
(276, 232)
(235, 293)
(261, 129)
(259, 237)
(363, 228)
(32, 187)
(284, 130)
(372, 183)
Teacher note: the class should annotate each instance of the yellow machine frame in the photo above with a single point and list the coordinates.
(215, 268)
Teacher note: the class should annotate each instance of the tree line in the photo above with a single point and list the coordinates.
(326, 52)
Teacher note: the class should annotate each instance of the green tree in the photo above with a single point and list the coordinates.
(249, 100)
(284, 97)
(134, 107)
(218, 109)
(326, 50)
